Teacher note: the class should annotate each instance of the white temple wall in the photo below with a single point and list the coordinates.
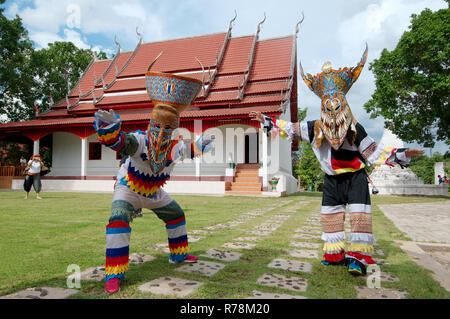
(66, 155)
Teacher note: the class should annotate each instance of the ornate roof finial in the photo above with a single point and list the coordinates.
(203, 69)
(117, 43)
(298, 23)
(259, 24)
(150, 66)
(139, 35)
(232, 20)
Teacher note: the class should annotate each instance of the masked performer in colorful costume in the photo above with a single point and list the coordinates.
(342, 147)
(151, 156)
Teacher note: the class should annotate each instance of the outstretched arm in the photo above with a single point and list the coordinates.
(109, 133)
(287, 129)
(379, 154)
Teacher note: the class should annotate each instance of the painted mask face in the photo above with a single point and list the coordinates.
(336, 117)
(331, 86)
(164, 121)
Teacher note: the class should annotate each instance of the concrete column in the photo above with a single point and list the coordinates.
(36, 147)
(197, 167)
(265, 160)
(83, 157)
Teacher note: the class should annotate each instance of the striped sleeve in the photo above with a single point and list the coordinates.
(287, 129)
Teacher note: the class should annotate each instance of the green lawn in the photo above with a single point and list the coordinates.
(40, 239)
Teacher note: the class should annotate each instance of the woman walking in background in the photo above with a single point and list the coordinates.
(33, 175)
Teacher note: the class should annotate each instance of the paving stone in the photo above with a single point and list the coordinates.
(220, 254)
(193, 239)
(138, 258)
(247, 238)
(313, 227)
(264, 295)
(258, 232)
(267, 227)
(290, 265)
(163, 247)
(307, 230)
(235, 223)
(170, 286)
(255, 213)
(239, 245)
(306, 236)
(218, 226)
(42, 293)
(207, 268)
(285, 282)
(200, 232)
(380, 293)
(93, 273)
(245, 217)
(305, 245)
(302, 253)
(383, 275)
(282, 216)
(380, 261)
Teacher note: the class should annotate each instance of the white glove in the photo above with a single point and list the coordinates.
(106, 117)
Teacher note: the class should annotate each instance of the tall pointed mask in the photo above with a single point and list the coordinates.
(170, 94)
(331, 86)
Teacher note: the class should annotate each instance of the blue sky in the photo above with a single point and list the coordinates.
(334, 30)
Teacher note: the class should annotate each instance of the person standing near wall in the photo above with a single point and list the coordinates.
(33, 175)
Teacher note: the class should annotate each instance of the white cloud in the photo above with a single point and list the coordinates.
(332, 30)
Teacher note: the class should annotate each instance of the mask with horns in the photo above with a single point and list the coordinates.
(170, 95)
(331, 86)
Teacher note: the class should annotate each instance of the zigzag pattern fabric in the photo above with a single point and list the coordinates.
(111, 137)
(118, 235)
(142, 183)
(178, 240)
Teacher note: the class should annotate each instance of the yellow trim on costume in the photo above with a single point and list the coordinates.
(144, 191)
(348, 169)
(365, 248)
(179, 250)
(334, 246)
(110, 136)
(115, 270)
(384, 155)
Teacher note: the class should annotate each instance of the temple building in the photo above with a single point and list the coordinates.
(242, 74)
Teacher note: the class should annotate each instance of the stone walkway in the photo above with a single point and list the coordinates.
(305, 246)
(428, 225)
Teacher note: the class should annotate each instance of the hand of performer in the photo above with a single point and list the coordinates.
(106, 117)
(256, 116)
(412, 152)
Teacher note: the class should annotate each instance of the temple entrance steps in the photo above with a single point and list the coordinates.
(246, 180)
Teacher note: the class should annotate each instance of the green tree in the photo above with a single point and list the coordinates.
(305, 164)
(413, 83)
(16, 81)
(423, 166)
(56, 66)
(28, 75)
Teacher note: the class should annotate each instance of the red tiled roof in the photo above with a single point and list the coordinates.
(87, 82)
(268, 78)
(122, 99)
(236, 55)
(272, 59)
(177, 55)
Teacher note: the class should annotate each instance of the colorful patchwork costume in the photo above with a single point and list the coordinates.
(342, 147)
(151, 156)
